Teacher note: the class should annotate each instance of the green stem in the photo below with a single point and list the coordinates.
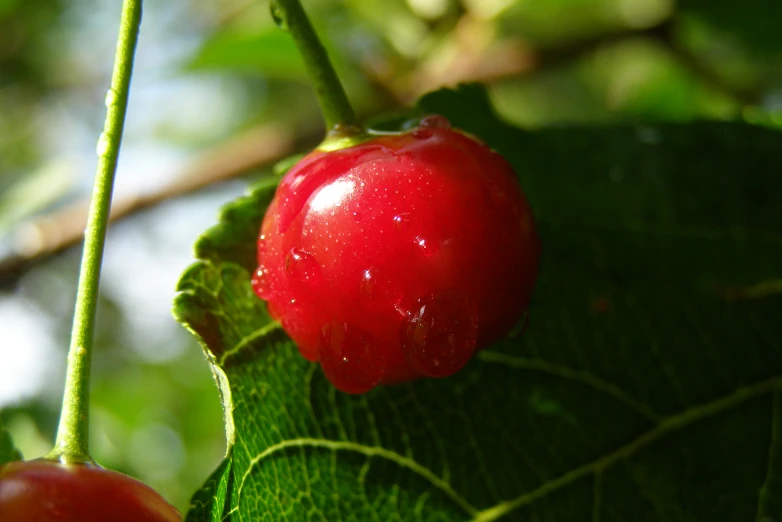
(72, 444)
(332, 98)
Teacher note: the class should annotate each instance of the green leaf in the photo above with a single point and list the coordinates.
(270, 52)
(648, 386)
(210, 502)
(240, 220)
(8, 451)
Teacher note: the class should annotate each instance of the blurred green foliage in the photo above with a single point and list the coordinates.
(546, 63)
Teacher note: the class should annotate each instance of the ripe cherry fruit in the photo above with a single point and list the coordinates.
(398, 257)
(44, 491)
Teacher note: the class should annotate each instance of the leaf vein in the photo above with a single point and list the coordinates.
(668, 425)
(247, 339)
(570, 374)
(370, 451)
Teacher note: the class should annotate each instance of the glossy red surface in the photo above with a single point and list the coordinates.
(43, 491)
(399, 257)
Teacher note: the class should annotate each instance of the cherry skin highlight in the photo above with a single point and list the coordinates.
(399, 257)
(44, 491)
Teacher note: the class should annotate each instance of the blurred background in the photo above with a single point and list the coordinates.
(219, 95)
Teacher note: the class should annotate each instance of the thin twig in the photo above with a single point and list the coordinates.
(73, 432)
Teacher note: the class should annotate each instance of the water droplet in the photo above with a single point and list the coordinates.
(112, 97)
(425, 246)
(351, 358)
(423, 134)
(260, 283)
(377, 292)
(435, 121)
(299, 263)
(103, 145)
(399, 221)
(262, 247)
(278, 15)
(439, 337)
(304, 272)
(357, 216)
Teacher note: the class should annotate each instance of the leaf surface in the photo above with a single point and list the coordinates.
(647, 387)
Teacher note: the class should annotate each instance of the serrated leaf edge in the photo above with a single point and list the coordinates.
(221, 379)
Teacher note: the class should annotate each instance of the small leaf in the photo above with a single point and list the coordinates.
(270, 52)
(648, 385)
(8, 452)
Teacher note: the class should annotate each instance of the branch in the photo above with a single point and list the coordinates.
(50, 234)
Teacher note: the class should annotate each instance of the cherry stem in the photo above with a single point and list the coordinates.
(72, 443)
(334, 103)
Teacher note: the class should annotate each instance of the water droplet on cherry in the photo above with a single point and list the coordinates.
(262, 246)
(423, 134)
(425, 246)
(301, 266)
(260, 283)
(351, 358)
(439, 337)
(377, 292)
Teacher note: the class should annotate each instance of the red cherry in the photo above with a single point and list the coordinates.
(398, 257)
(43, 491)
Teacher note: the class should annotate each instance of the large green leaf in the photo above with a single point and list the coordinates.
(648, 386)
